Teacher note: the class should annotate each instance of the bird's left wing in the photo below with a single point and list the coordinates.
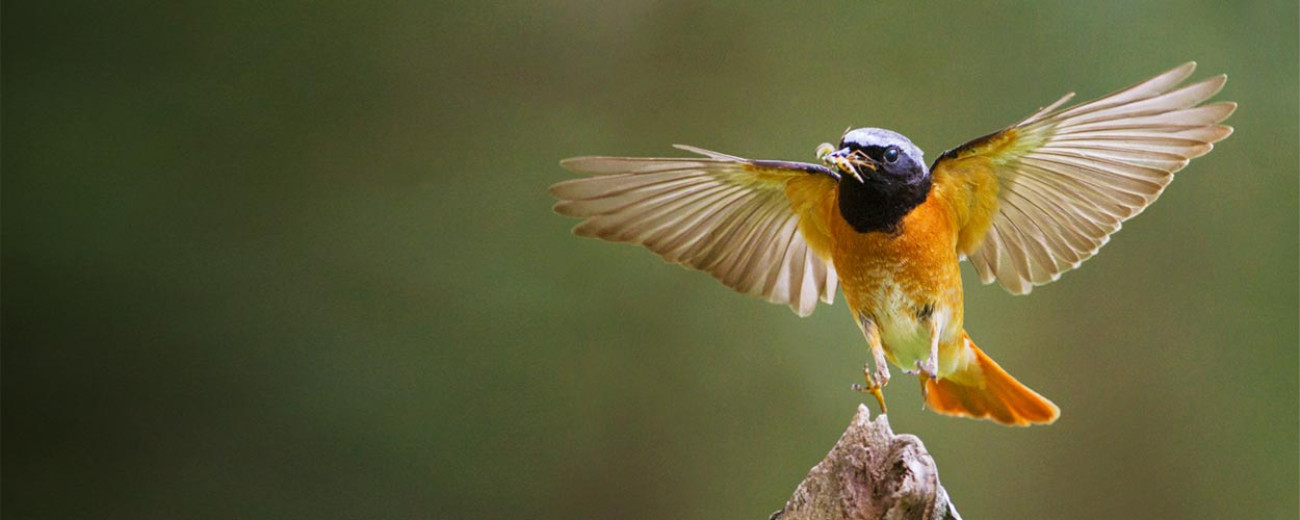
(1040, 197)
(759, 227)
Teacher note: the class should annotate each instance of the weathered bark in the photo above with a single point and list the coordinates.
(871, 474)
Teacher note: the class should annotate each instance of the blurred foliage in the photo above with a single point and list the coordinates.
(296, 260)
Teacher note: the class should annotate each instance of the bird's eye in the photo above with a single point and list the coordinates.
(891, 155)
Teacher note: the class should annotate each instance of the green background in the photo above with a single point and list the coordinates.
(297, 260)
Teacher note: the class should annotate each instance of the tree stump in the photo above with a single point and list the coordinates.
(871, 474)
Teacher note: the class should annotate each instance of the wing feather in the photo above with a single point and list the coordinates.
(733, 218)
(1068, 178)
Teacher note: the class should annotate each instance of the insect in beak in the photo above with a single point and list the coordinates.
(844, 161)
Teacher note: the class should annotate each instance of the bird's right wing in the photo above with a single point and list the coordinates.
(759, 227)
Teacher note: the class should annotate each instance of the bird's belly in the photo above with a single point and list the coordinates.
(905, 337)
(907, 283)
(906, 319)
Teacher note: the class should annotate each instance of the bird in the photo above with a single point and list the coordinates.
(1022, 205)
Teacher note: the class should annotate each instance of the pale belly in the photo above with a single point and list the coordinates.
(908, 314)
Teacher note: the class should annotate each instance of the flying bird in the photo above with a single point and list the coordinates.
(1023, 205)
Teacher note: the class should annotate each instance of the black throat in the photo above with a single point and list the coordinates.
(879, 207)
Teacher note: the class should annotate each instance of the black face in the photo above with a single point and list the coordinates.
(892, 163)
(898, 184)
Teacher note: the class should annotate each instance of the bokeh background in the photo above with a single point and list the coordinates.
(297, 260)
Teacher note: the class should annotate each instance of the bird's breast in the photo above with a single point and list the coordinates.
(903, 280)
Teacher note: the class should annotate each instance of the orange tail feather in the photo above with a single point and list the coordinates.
(985, 391)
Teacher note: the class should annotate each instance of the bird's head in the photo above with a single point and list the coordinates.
(882, 177)
(876, 155)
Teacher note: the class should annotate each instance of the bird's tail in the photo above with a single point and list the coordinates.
(981, 389)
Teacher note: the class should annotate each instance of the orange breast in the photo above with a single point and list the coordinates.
(900, 279)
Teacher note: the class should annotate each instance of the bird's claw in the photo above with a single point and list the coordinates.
(875, 382)
(926, 368)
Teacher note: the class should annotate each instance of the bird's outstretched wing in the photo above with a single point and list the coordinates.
(1038, 198)
(760, 227)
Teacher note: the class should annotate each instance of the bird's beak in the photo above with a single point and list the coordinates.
(845, 161)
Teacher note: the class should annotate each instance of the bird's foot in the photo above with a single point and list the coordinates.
(875, 382)
(925, 368)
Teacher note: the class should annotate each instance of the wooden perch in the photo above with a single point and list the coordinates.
(871, 474)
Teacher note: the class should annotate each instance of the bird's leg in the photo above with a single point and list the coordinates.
(878, 379)
(929, 367)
